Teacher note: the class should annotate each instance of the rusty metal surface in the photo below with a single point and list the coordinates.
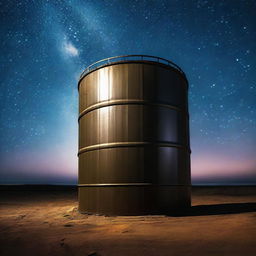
(134, 153)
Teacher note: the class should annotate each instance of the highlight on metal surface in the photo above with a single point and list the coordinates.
(125, 58)
(134, 150)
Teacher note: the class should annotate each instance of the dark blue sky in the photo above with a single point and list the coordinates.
(45, 45)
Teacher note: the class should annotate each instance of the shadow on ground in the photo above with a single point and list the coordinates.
(217, 209)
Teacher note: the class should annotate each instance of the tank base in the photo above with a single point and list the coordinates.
(134, 200)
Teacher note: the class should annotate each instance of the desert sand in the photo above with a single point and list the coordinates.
(41, 220)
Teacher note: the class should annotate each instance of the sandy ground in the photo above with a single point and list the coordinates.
(222, 221)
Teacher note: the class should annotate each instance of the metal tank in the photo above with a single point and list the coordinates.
(134, 152)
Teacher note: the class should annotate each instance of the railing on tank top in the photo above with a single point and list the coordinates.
(125, 58)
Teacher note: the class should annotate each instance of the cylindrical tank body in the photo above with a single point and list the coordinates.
(134, 153)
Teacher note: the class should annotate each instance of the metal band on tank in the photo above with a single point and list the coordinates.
(128, 185)
(128, 102)
(130, 144)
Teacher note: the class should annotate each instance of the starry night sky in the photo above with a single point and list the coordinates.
(45, 45)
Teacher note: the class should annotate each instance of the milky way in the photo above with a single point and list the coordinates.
(45, 45)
